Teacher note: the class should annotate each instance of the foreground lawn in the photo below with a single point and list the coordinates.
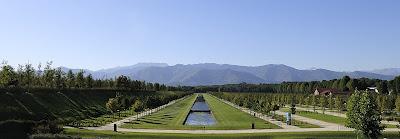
(229, 117)
(302, 135)
(171, 117)
(322, 117)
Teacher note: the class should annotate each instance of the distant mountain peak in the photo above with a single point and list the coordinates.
(149, 64)
(387, 71)
(213, 73)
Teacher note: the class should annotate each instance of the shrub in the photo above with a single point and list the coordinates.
(16, 129)
(53, 136)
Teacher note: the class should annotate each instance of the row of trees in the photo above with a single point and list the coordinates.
(364, 109)
(344, 84)
(26, 76)
(266, 102)
(139, 103)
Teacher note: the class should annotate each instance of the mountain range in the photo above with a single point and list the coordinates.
(214, 74)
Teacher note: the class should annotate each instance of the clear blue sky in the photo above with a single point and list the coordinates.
(94, 34)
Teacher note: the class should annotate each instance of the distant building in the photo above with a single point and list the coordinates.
(327, 91)
(373, 89)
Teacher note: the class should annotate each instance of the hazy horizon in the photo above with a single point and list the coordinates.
(337, 35)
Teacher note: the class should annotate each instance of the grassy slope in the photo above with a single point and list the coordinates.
(171, 117)
(68, 104)
(64, 104)
(304, 135)
(230, 118)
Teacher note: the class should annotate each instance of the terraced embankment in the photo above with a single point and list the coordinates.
(65, 105)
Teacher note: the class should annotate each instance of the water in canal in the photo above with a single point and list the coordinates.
(200, 113)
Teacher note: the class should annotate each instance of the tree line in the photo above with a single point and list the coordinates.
(139, 103)
(266, 102)
(345, 84)
(26, 76)
(365, 110)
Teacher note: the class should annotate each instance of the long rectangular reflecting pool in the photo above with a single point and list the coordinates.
(200, 113)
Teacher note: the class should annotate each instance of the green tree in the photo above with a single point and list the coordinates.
(323, 103)
(113, 105)
(396, 85)
(336, 84)
(59, 78)
(381, 102)
(352, 84)
(331, 102)
(123, 82)
(275, 108)
(293, 109)
(363, 114)
(70, 79)
(314, 101)
(343, 83)
(89, 81)
(398, 104)
(29, 74)
(7, 76)
(339, 104)
(138, 106)
(80, 79)
(48, 75)
(382, 87)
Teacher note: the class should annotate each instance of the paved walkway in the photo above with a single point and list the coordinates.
(322, 124)
(338, 114)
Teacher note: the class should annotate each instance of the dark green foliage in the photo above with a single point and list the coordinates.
(22, 129)
(344, 84)
(363, 114)
(53, 136)
(16, 129)
(382, 87)
(68, 104)
(398, 104)
(293, 109)
(27, 77)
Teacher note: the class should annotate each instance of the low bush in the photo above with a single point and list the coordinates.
(22, 129)
(53, 136)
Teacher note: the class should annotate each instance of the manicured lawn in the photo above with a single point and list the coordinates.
(104, 119)
(295, 122)
(328, 118)
(229, 117)
(171, 117)
(301, 135)
(322, 117)
(390, 126)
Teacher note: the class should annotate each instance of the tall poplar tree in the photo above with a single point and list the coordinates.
(363, 114)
